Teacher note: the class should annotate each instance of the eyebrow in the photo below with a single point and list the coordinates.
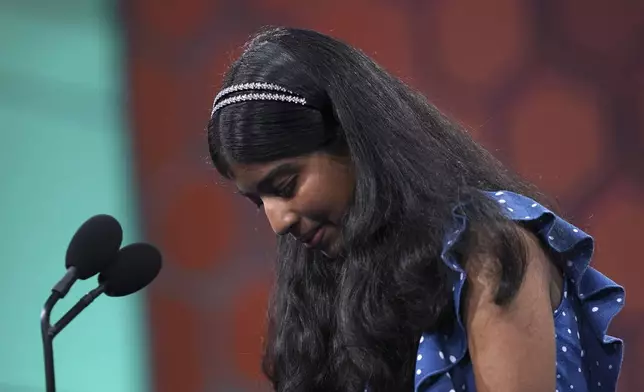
(266, 184)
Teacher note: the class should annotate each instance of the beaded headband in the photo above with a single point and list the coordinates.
(275, 93)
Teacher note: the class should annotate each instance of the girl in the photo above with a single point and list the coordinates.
(409, 258)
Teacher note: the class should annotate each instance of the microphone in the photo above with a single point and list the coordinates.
(94, 245)
(91, 249)
(131, 269)
(135, 267)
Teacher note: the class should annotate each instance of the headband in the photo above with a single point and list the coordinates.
(269, 92)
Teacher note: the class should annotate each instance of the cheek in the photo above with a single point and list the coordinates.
(325, 196)
(314, 194)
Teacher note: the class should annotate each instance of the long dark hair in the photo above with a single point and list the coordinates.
(340, 325)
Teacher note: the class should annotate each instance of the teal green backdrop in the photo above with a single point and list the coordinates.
(64, 156)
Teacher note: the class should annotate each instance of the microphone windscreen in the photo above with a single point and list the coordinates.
(135, 267)
(94, 246)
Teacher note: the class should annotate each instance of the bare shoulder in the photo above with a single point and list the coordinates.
(512, 347)
(541, 273)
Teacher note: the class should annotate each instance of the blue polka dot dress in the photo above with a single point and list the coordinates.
(587, 358)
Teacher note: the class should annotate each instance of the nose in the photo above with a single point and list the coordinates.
(280, 216)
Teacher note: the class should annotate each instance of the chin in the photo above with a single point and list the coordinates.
(333, 251)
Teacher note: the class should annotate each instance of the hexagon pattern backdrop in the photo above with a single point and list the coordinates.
(555, 89)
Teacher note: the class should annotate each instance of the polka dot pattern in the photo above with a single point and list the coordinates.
(589, 301)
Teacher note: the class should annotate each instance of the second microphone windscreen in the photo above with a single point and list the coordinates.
(136, 266)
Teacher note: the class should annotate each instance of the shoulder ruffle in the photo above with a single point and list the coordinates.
(600, 298)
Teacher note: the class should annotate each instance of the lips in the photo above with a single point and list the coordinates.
(313, 237)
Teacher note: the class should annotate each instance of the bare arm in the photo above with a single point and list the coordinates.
(512, 347)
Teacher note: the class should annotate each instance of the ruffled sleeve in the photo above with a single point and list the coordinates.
(442, 363)
(439, 355)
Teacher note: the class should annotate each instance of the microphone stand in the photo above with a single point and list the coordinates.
(48, 332)
(75, 310)
(47, 341)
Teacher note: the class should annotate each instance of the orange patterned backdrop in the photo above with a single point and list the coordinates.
(554, 88)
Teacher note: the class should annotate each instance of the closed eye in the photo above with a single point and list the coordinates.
(271, 186)
(287, 190)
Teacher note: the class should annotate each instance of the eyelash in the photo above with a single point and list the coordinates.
(286, 191)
